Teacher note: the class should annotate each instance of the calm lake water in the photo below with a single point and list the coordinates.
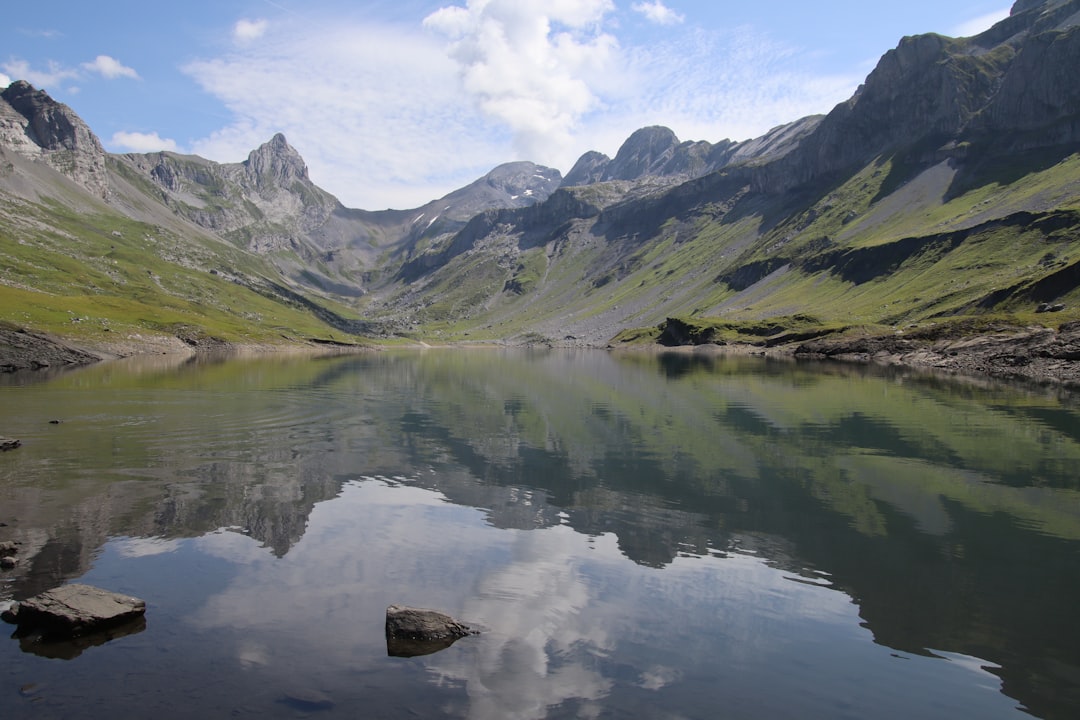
(637, 537)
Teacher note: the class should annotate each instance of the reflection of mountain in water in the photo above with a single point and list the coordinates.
(903, 490)
(951, 521)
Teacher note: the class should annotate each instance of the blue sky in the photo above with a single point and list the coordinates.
(396, 102)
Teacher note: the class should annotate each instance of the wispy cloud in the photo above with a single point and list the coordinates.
(374, 110)
(53, 76)
(657, 12)
(248, 30)
(979, 24)
(110, 68)
(140, 142)
(735, 84)
(43, 34)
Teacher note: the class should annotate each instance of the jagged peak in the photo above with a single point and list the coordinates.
(53, 132)
(278, 159)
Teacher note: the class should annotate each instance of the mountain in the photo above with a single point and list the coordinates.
(945, 189)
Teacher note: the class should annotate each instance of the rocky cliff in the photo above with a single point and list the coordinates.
(37, 127)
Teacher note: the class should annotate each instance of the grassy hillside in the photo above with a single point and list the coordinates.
(97, 276)
(890, 247)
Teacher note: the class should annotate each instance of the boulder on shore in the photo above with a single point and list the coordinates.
(414, 631)
(73, 611)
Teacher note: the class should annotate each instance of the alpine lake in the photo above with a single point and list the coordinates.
(634, 536)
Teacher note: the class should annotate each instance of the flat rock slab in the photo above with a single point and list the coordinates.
(74, 610)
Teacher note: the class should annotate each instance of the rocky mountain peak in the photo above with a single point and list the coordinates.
(642, 153)
(37, 126)
(510, 185)
(276, 163)
(587, 170)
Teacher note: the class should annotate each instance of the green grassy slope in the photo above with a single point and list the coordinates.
(99, 276)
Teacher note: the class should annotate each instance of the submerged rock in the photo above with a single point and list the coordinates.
(414, 631)
(74, 610)
(9, 444)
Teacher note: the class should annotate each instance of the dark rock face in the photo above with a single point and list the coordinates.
(74, 610)
(414, 631)
(938, 92)
(54, 133)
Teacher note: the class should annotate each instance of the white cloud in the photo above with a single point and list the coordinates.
(374, 110)
(979, 24)
(657, 12)
(141, 142)
(530, 66)
(53, 76)
(5, 80)
(144, 547)
(391, 116)
(248, 30)
(110, 68)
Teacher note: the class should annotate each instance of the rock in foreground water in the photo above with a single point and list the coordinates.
(9, 444)
(74, 610)
(413, 631)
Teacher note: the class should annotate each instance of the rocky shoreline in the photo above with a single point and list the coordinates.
(23, 350)
(1036, 354)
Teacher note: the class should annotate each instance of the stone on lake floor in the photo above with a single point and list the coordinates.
(9, 444)
(414, 631)
(74, 610)
(8, 562)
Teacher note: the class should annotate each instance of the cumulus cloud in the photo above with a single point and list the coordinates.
(657, 12)
(530, 66)
(979, 24)
(141, 142)
(248, 30)
(110, 68)
(4, 80)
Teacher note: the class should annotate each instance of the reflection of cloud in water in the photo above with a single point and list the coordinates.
(534, 609)
(144, 547)
(563, 615)
(373, 546)
(657, 677)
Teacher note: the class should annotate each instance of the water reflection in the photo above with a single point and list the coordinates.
(639, 536)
